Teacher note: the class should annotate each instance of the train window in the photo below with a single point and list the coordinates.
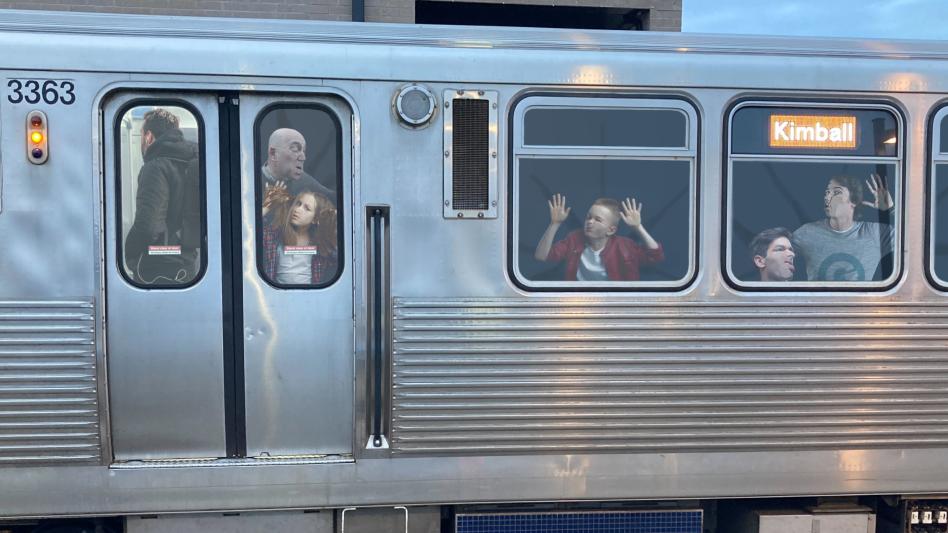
(299, 177)
(943, 135)
(597, 203)
(160, 195)
(938, 198)
(649, 128)
(813, 196)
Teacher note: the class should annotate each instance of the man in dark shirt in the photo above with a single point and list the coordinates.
(286, 154)
(162, 245)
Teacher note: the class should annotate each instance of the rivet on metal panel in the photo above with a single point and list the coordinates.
(460, 215)
(447, 202)
(494, 155)
(447, 153)
(460, 92)
(447, 104)
(480, 93)
(480, 215)
(493, 203)
(494, 105)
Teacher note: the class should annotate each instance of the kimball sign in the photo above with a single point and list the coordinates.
(812, 131)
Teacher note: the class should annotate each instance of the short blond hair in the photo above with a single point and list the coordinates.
(611, 204)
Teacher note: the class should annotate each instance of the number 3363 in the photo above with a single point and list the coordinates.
(36, 91)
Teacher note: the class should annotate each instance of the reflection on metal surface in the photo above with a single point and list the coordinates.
(247, 461)
(501, 376)
(255, 286)
(853, 460)
(905, 81)
(592, 75)
(48, 392)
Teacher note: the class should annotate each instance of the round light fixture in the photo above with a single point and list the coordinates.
(415, 105)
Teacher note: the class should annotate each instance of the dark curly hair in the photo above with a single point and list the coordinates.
(853, 185)
(159, 121)
(761, 241)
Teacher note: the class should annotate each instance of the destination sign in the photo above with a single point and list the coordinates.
(812, 131)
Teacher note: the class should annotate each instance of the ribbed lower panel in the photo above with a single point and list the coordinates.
(213, 462)
(48, 393)
(483, 376)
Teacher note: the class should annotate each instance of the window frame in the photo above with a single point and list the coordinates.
(729, 158)
(202, 150)
(689, 151)
(935, 157)
(258, 194)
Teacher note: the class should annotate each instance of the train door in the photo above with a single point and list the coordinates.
(228, 299)
(298, 329)
(164, 301)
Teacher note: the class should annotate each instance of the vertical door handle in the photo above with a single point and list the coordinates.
(379, 218)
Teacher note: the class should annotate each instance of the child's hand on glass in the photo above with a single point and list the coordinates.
(631, 213)
(558, 209)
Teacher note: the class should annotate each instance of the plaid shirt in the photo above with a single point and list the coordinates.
(323, 266)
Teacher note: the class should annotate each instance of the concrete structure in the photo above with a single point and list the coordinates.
(658, 15)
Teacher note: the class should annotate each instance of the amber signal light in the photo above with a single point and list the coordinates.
(37, 146)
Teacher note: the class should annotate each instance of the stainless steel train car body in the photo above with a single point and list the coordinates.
(701, 392)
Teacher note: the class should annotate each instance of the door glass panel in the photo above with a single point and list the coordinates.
(299, 168)
(160, 198)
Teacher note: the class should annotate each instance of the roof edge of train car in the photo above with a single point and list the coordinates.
(94, 23)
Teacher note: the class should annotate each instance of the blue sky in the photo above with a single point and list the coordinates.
(890, 19)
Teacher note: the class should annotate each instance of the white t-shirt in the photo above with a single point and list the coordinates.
(294, 269)
(591, 267)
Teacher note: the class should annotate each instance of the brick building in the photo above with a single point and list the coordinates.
(658, 15)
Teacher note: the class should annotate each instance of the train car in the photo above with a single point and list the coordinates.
(302, 276)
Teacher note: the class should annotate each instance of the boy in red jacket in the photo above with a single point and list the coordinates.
(596, 253)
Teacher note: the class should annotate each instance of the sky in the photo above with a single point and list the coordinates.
(889, 19)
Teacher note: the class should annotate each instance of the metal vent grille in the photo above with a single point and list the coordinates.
(48, 395)
(686, 521)
(476, 376)
(471, 149)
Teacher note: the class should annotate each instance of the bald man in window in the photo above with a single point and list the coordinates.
(286, 154)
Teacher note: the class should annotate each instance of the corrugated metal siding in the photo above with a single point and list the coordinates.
(513, 376)
(48, 402)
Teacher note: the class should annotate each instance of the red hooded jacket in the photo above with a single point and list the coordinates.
(621, 256)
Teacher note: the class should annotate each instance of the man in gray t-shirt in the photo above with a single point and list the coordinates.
(839, 248)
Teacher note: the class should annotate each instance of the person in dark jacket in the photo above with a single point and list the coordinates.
(162, 245)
